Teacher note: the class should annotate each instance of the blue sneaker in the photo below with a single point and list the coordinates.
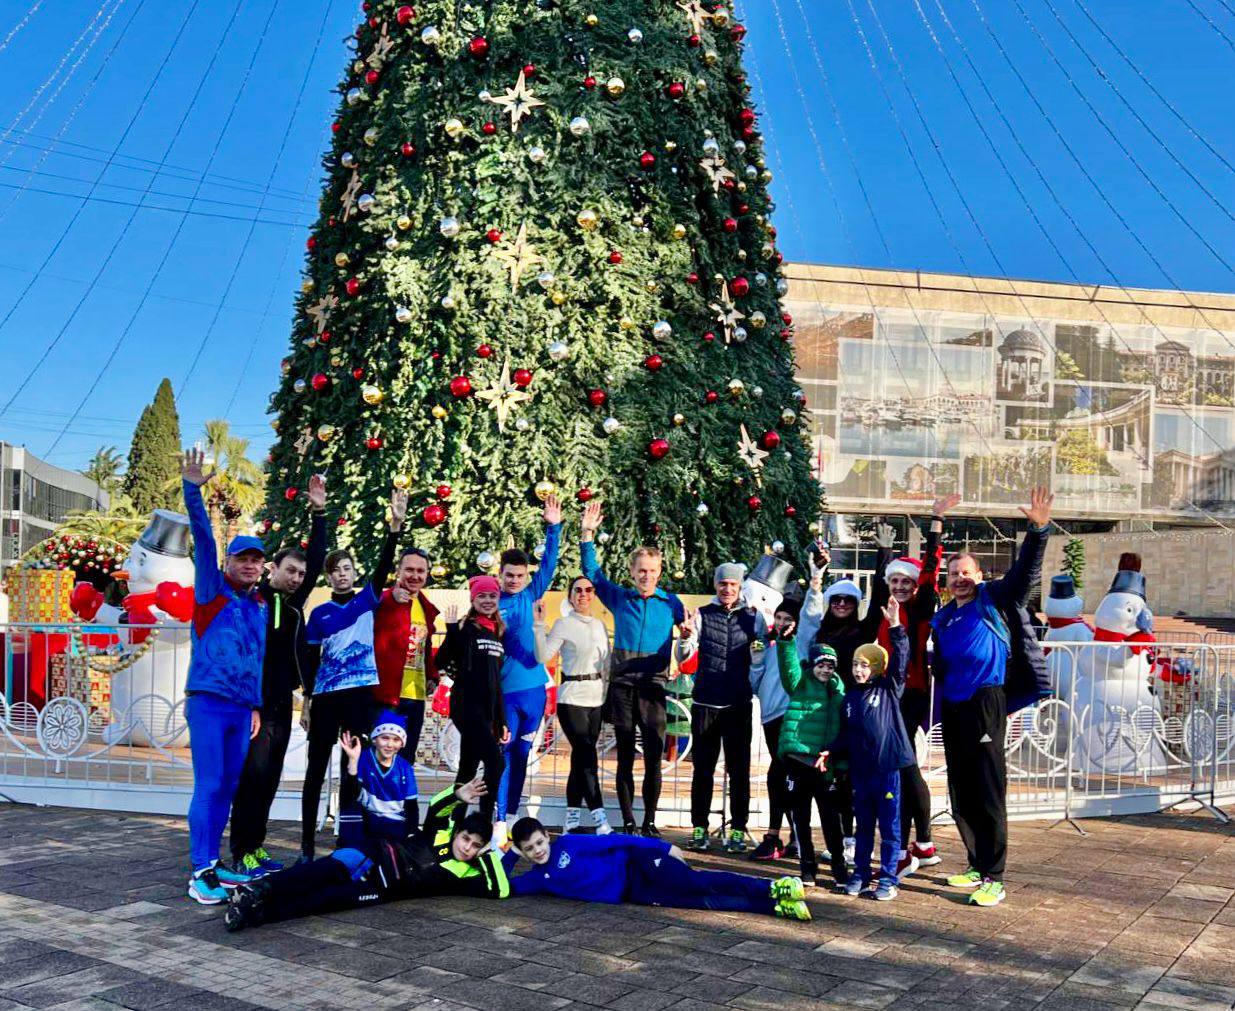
(230, 877)
(204, 887)
(268, 864)
(852, 887)
(886, 891)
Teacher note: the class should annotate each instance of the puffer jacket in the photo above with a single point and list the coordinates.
(813, 719)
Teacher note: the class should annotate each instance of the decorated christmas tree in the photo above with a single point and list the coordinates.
(545, 261)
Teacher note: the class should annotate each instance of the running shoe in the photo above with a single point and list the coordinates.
(698, 840)
(989, 893)
(851, 846)
(769, 849)
(574, 818)
(243, 908)
(853, 887)
(250, 864)
(269, 864)
(791, 851)
(204, 887)
(790, 909)
(886, 892)
(788, 888)
(230, 877)
(970, 879)
(630, 828)
(736, 843)
(650, 831)
(926, 853)
(601, 820)
(908, 865)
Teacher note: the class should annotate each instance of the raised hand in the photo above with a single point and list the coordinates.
(317, 493)
(540, 611)
(470, 793)
(191, 464)
(452, 614)
(821, 763)
(350, 746)
(892, 611)
(553, 510)
(593, 516)
(1040, 502)
(788, 630)
(398, 508)
(687, 628)
(943, 505)
(817, 571)
(885, 535)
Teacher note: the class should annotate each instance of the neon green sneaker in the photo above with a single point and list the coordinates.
(790, 889)
(698, 839)
(970, 879)
(736, 843)
(793, 909)
(989, 893)
(269, 863)
(251, 864)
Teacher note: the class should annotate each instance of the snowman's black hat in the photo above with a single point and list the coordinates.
(167, 534)
(772, 572)
(1063, 587)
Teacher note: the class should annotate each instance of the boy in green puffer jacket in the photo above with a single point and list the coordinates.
(812, 727)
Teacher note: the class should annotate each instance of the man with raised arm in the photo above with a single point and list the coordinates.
(644, 617)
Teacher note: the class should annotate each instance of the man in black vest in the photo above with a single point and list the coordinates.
(729, 639)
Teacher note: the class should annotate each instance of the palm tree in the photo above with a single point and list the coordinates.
(238, 488)
(119, 524)
(104, 469)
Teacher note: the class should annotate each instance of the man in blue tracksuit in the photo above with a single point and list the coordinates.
(650, 872)
(643, 622)
(524, 678)
(875, 742)
(223, 694)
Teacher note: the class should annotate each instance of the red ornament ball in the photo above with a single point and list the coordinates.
(479, 46)
(711, 397)
(434, 515)
(529, 70)
(694, 41)
(647, 160)
(676, 90)
(737, 32)
(310, 242)
(408, 149)
(404, 14)
(746, 117)
(730, 225)
(692, 278)
(323, 337)
(770, 439)
(484, 351)
(743, 208)
(786, 318)
(374, 442)
(597, 398)
(658, 449)
(353, 286)
(709, 337)
(461, 386)
(791, 511)
(589, 82)
(730, 185)
(494, 235)
(522, 378)
(358, 373)
(754, 503)
(785, 334)
(443, 491)
(291, 493)
(489, 129)
(335, 127)
(739, 286)
(320, 381)
(371, 77)
(584, 494)
(653, 362)
(341, 522)
(615, 257)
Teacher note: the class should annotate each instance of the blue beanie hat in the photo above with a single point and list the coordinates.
(390, 723)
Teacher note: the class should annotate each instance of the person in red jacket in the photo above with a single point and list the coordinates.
(913, 583)
(403, 645)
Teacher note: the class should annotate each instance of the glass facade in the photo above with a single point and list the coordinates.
(34, 499)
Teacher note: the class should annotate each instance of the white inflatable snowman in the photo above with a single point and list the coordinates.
(1114, 711)
(1063, 609)
(147, 696)
(764, 586)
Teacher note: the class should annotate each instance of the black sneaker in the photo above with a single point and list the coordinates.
(791, 850)
(650, 830)
(769, 849)
(630, 828)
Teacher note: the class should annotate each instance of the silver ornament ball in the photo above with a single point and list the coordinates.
(579, 126)
(635, 36)
(558, 351)
(661, 330)
(449, 226)
(778, 547)
(610, 425)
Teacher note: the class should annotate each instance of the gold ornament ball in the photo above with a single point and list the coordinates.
(591, 20)
(652, 286)
(679, 574)
(335, 361)
(787, 417)
(626, 323)
(439, 571)
(371, 394)
(671, 146)
(588, 219)
(276, 526)
(710, 57)
(736, 387)
(274, 423)
(679, 420)
(403, 222)
(559, 298)
(616, 87)
(341, 259)
(439, 412)
(815, 527)
(758, 320)
(306, 285)
(637, 221)
(720, 17)
(325, 432)
(401, 481)
(544, 489)
(453, 128)
(358, 67)
(679, 231)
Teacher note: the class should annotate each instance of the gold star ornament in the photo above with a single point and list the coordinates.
(519, 257)
(695, 14)
(728, 315)
(714, 168)
(751, 454)
(518, 102)
(320, 311)
(504, 396)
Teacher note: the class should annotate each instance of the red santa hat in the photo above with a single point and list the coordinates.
(904, 566)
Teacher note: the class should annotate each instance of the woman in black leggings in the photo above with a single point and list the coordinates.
(583, 643)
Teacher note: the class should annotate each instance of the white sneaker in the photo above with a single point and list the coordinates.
(851, 846)
(500, 835)
(574, 817)
(600, 819)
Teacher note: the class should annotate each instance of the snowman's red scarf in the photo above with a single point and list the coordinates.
(1105, 635)
(1065, 622)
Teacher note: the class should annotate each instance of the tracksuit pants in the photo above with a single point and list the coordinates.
(637, 709)
(476, 745)
(671, 883)
(973, 745)
(581, 725)
(218, 741)
(712, 729)
(779, 804)
(259, 782)
(808, 787)
(877, 801)
(524, 712)
(326, 885)
(350, 709)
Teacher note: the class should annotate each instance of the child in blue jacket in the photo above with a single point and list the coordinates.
(378, 797)
(650, 872)
(877, 747)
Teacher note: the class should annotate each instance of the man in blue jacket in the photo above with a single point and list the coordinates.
(973, 647)
(223, 694)
(524, 678)
(643, 622)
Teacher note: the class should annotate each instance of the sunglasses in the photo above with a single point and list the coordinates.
(584, 589)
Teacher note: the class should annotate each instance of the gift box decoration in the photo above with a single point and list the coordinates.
(40, 595)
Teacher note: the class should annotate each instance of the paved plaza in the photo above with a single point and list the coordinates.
(1138, 913)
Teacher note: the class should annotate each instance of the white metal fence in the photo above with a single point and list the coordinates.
(94, 717)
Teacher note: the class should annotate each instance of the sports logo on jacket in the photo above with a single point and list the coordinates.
(563, 861)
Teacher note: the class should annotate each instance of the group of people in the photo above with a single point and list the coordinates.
(840, 697)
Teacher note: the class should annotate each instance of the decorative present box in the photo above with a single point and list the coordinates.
(80, 681)
(40, 595)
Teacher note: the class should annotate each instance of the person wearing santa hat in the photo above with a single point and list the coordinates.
(913, 584)
(473, 653)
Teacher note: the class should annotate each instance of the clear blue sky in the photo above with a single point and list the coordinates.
(54, 71)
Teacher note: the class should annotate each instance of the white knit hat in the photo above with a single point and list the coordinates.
(903, 566)
(842, 588)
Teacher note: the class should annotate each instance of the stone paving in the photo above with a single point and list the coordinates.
(1139, 913)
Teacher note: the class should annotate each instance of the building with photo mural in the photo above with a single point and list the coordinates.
(921, 385)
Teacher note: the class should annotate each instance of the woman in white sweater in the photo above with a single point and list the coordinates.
(583, 643)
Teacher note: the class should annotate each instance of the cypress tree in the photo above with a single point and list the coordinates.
(151, 478)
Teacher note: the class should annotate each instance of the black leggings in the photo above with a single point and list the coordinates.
(581, 725)
(477, 744)
(350, 709)
(259, 782)
(915, 794)
(778, 780)
(808, 787)
(639, 708)
(313, 888)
